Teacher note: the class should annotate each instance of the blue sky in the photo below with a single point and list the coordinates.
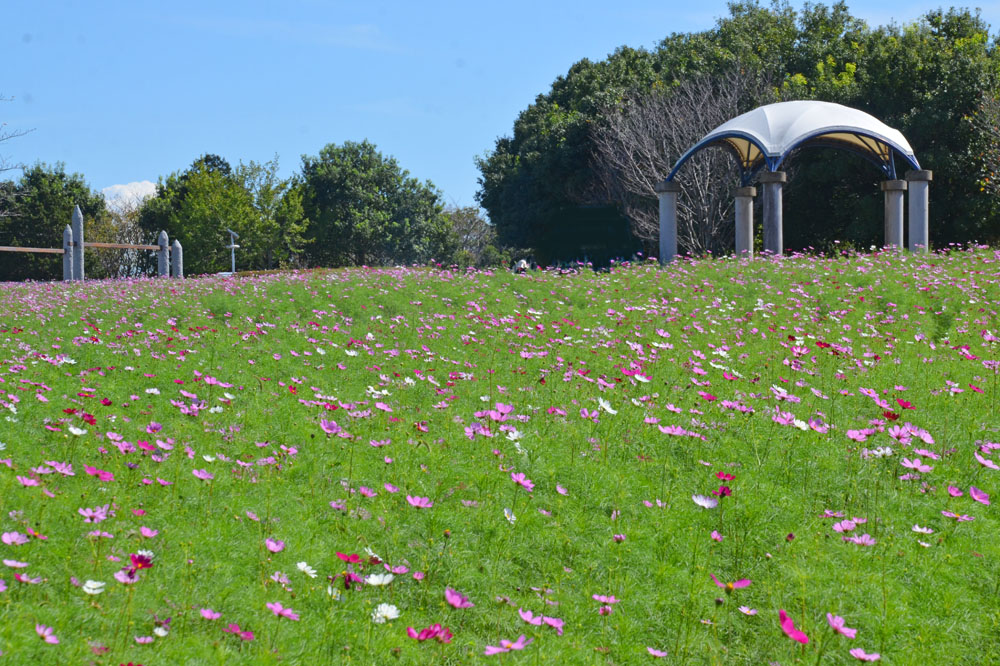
(125, 92)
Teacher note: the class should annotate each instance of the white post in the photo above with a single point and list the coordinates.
(667, 191)
(67, 254)
(894, 190)
(162, 261)
(744, 222)
(177, 259)
(77, 243)
(919, 182)
(773, 181)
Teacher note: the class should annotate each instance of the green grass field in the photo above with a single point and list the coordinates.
(218, 471)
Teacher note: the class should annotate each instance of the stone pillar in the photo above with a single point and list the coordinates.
(77, 243)
(162, 258)
(667, 191)
(919, 183)
(67, 254)
(744, 221)
(177, 259)
(773, 181)
(894, 190)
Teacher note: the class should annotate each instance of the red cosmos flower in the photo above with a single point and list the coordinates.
(904, 403)
(350, 559)
(892, 416)
(140, 562)
(724, 476)
(723, 491)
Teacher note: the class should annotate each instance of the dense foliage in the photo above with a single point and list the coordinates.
(927, 79)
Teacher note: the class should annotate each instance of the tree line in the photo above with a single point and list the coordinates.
(576, 175)
(348, 205)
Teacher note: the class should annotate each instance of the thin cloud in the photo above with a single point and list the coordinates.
(362, 36)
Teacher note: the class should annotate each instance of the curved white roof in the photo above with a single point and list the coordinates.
(768, 133)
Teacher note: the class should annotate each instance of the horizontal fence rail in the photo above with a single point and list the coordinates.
(121, 246)
(169, 258)
(46, 250)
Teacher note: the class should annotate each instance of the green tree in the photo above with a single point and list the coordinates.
(364, 209)
(43, 198)
(197, 207)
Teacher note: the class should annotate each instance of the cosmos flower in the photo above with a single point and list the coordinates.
(47, 634)
(281, 611)
(420, 502)
(788, 626)
(729, 587)
(457, 599)
(384, 612)
(861, 655)
(705, 502)
(507, 646)
(837, 624)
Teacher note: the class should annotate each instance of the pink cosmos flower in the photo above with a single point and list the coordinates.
(420, 502)
(143, 640)
(147, 532)
(14, 564)
(863, 540)
(837, 624)
(209, 614)
(618, 538)
(729, 587)
(986, 462)
(203, 474)
(715, 536)
(281, 611)
(274, 545)
(656, 653)
(3, 585)
(844, 526)
(507, 646)
(605, 599)
(917, 465)
(13, 538)
(522, 480)
(960, 518)
(47, 634)
(979, 496)
(954, 492)
(561, 490)
(746, 610)
(788, 626)
(391, 488)
(457, 599)
(861, 655)
(25, 481)
(538, 620)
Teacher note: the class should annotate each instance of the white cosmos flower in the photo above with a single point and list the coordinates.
(922, 530)
(705, 502)
(384, 612)
(333, 592)
(800, 424)
(509, 515)
(161, 631)
(371, 553)
(215, 410)
(379, 579)
(93, 587)
(153, 391)
(306, 569)
(76, 431)
(606, 406)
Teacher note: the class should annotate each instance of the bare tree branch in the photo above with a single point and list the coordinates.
(642, 137)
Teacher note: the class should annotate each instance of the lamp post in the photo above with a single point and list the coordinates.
(232, 247)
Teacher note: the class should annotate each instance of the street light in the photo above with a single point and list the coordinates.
(232, 247)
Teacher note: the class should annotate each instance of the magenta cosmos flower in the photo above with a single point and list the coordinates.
(735, 585)
(203, 474)
(507, 646)
(861, 655)
(788, 626)
(457, 599)
(274, 545)
(420, 502)
(436, 631)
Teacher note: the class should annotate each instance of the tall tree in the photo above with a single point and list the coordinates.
(364, 209)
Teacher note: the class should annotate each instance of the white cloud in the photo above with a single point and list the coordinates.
(130, 192)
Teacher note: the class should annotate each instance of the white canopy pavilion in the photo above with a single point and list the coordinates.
(761, 140)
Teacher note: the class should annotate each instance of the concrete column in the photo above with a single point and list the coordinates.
(894, 190)
(77, 243)
(773, 182)
(162, 259)
(67, 254)
(744, 221)
(667, 191)
(177, 259)
(919, 183)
